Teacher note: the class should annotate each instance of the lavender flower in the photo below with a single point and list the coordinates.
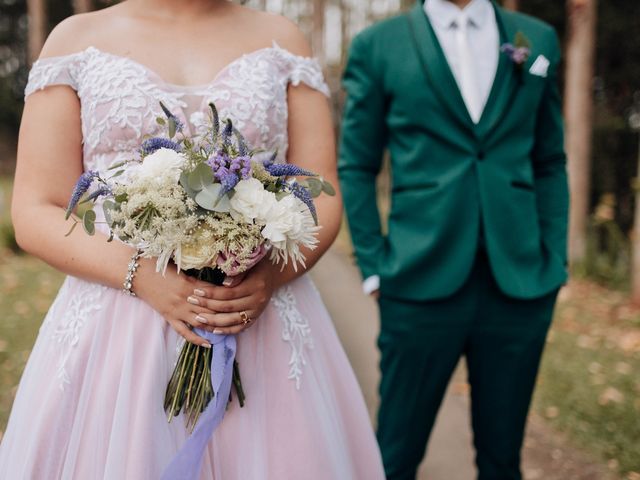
(287, 170)
(228, 183)
(302, 194)
(156, 143)
(82, 186)
(100, 192)
(171, 116)
(517, 55)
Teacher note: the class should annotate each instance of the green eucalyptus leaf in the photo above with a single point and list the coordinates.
(328, 189)
(118, 173)
(314, 186)
(184, 182)
(201, 176)
(109, 206)
(121, 198)
(281, 195)
(161, 121)
(209, 198)
(89, 222)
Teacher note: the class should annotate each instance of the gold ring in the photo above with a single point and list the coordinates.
(245, 318)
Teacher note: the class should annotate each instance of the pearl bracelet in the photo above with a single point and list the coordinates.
(127, 285)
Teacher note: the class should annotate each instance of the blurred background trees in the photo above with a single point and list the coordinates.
(600, 78)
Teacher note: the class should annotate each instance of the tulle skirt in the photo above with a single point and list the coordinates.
(90, 402)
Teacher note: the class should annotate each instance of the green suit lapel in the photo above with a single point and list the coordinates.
(506, 83)
(436, 68)
(441, 79)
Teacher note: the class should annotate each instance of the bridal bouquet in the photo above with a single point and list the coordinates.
(211, 206)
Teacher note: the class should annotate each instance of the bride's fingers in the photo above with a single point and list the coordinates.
(188, 335)
(221, 319)
(228, 306)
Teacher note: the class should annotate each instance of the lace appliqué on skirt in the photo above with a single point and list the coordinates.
(66, 333)
(295, 330)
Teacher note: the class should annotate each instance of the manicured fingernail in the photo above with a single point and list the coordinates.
(218, 331)
(227, 282)
(201, 319)
(199, 293)
(193, 301)
(206, 345)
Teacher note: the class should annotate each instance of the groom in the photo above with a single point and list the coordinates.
(464, 97)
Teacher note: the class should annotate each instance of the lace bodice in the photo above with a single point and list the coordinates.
(120, 97)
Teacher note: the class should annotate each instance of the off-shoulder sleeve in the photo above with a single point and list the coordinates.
(54, 71)
(305, 70)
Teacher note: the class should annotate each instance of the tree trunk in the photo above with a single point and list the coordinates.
(578, 110)
(37, 14)
(635, 243)
(82, 6)
(317, 32)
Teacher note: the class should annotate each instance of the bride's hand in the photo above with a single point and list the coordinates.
(251, 297)
(171, 295)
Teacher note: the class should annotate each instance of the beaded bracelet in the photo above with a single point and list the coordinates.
(127, 285)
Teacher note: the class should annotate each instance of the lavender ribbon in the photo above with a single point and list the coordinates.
(187, 462)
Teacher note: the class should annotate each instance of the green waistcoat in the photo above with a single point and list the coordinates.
(452, 179)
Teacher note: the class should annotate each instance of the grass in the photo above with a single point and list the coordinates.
(589, 384)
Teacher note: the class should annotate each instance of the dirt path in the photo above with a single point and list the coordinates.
(547, 456)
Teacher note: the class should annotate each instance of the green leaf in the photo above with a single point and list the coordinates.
(328, 189)
(109, 206)
(172, 127)
(161, 121)
(118, 165)
(315, 186)
(89, 222)
(118, 173)
(184, 182)
(121, 198)
(201, 177)
(73, 227)
(209, 198)
(281, 195)
(521, 41)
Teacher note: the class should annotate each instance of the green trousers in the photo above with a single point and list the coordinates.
(421, 343)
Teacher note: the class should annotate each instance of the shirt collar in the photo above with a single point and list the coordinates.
(443, 13)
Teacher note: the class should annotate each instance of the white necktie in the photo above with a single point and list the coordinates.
(467, 82)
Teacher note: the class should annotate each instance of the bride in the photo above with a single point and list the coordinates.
(90, 403)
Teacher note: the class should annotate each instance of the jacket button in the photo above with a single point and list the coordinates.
(480, 155)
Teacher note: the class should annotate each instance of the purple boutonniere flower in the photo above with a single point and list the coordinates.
(518, 55)
(518, 51)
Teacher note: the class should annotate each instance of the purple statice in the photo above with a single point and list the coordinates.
(82, 186)
(302, 193)
(229, 182)
(517, 55)
(286, 170)
(156, 143)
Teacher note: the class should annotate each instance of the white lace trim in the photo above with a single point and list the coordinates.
(84, 303)
(295, 330)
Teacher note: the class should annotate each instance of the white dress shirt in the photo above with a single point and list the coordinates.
(484, 45)
(483, 36)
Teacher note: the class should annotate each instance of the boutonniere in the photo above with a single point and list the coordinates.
(518, 51)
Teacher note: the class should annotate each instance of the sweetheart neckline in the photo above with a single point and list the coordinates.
(179, 86)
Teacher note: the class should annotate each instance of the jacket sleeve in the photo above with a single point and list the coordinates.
(362, 145)
(549, 163)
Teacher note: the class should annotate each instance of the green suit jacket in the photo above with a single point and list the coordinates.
(452, 179)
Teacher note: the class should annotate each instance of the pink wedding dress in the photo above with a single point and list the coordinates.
(90, 403)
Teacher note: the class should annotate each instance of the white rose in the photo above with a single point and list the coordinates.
(250, 201)
(162, 163)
